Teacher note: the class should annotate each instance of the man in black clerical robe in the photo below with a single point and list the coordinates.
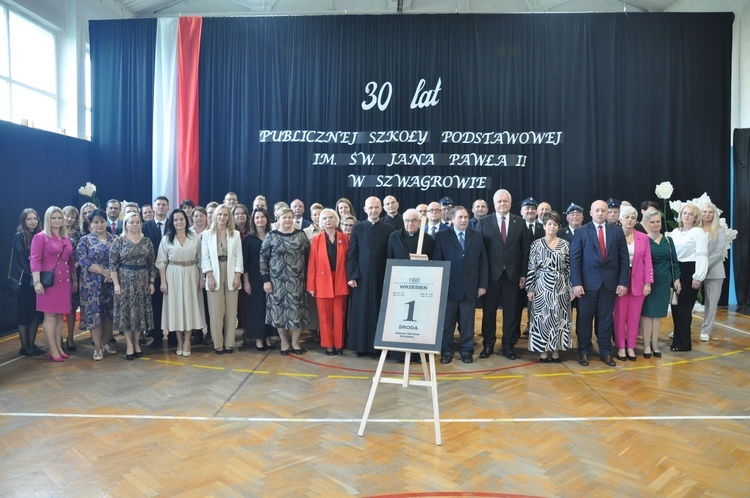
(365, 271)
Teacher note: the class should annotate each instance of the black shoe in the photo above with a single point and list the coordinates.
(631, 358)
(24, 352)
(219, 351)
(657, 354)
(138, 354)
(678, 350)
(71, 348)
(261, 348)
(129, 357)
(467, 358)
(330, 352)
(545, 360)
(509, 353)
(339, 352)
(556, 360)
(583, 360)
(487, 351)
(298, 351)
(228, 350)
(360, 354)
(284, 352)
(35, 350)
(607, 360)
(647, 355)
(445, 359)
(157, 345)
(621, 358)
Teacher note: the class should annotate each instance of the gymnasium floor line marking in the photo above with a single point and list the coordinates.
(619, 418)
(699, 317)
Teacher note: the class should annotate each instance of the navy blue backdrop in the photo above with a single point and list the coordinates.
(638, 99)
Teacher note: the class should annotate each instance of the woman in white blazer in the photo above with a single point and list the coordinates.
(222, 264)
(715, 274)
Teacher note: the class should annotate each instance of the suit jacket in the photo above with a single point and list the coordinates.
(512, 256)
(567, 234)
(210, 256)
(152, 231)
(441, 226)
(398, 249)
(118, 227)
(319, 277)
(397, 221)
(586, 265)
(539, 232)
(468, 266)
(305, 223)
(642, 271)
(716, 255)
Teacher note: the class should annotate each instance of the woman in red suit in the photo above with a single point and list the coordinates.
(326, 281)
(627, 313)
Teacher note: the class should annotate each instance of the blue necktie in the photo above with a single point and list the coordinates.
(461, 240)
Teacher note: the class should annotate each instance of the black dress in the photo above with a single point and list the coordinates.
(255, 303)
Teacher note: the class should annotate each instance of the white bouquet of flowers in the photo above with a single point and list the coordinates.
(89, 190)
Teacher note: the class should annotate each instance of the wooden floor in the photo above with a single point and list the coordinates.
(259, 424)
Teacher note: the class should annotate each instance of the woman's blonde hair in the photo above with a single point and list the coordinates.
(230, 221)
(714, 227)
(696, 214)
(72, 209)
(125, 223)
(47, 216)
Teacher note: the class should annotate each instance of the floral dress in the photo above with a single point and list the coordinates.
(97, 296)
(134, 264)
(283, 262)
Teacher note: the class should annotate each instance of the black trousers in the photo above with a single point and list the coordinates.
(506, 294)
(682, 312)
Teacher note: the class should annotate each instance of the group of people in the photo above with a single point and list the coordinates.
(145, 270)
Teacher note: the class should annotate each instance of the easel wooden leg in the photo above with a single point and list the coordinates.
(435, 406)
(375, 382)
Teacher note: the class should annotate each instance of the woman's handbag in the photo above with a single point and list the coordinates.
(673, 296)
(47, 278)
(11, 285)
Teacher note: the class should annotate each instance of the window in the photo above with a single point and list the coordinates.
(28, 72)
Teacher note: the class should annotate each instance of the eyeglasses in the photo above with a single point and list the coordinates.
(434, 210)
(411, 221)
(346, 225)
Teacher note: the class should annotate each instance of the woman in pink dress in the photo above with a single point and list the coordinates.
(51, 250)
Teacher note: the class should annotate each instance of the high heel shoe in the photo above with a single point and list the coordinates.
(56, 359)
(261, 348)
(64, 356)
(657, 354)
(647, 355)
(138, 354)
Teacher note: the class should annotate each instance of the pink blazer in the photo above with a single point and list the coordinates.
(642, 271)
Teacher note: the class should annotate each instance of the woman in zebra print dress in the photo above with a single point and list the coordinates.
(548, 288)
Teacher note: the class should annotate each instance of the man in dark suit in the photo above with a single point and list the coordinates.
(154, 230)
(114, 223)
(392, 217)
(574, 216)
(464, 248)
(434, 219)
(298, 208)
(479, 210)
(599, 272)
(365, 269)
(506, 241)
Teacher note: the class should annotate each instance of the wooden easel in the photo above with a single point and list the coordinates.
(430, 377)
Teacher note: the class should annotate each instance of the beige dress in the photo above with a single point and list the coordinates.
(183, 306)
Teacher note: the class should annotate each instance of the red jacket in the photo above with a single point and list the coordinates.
(319, 278)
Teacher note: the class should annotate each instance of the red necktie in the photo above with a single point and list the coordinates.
(503, 231)
(602, 245)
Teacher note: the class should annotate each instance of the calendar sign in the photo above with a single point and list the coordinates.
(412, 309)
